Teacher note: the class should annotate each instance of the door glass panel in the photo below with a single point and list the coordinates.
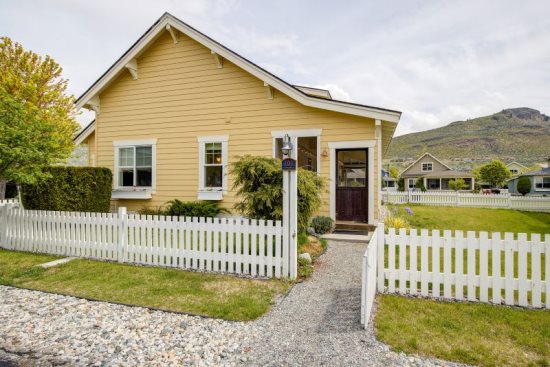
(352, 168)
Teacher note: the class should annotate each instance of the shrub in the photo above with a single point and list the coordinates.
(322, 225)
(458, 184)
(401, 184)
(259, 184)
(152, 211)
(180, 208)
(420, 185)
(393, 221)
(82, 189)
(524, 185)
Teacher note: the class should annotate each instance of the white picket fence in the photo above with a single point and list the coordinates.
(229, 245)
(507, 201)
(368, 286)
(511, 269)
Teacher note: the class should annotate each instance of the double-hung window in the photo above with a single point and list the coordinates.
(542, 183)
(212, 167)
(134, 164)
(427, 167)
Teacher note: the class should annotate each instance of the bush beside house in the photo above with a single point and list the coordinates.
(82, 189)
(524, 185)
(259, 184)
(178, 208)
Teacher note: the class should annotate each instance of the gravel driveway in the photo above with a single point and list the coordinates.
(316, 324)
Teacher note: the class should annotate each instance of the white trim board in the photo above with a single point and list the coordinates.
(362, 144)
(303, 133)
(267, 78)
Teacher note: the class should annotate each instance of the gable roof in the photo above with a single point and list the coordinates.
(516, 163)
(169, 21)
(422, 156)
(84, 133)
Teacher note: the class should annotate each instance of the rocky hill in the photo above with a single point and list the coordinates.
(515, 134)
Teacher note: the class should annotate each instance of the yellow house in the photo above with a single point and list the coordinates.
(178, 108)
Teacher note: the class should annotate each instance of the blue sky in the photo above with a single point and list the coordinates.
(437, 61)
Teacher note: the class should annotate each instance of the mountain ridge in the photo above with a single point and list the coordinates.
(513, 134)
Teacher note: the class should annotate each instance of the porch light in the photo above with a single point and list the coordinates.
(287, 145)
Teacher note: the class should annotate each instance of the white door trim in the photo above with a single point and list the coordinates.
(362, 144)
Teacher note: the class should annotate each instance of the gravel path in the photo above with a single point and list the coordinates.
(316, 324)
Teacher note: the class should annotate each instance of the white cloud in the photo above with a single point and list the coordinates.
(435, 61)
(336, 92)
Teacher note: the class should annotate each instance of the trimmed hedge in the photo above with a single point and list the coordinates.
(178, 208)
(79, 189)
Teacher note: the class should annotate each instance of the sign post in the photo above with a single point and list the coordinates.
(290, 205)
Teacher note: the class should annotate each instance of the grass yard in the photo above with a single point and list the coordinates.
(474, 219)
(215, 295)
(477, 334)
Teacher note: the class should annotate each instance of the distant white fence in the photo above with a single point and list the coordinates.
(241, 246)
(506, 201)
(8, 201)
(511, 269)
(368, 288)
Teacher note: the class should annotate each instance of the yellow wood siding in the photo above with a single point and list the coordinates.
(90, 142)
(181, 94)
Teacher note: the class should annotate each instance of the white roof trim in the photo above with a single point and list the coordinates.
(84, 134)
(519, 164)
(168, 19)
(422, 156)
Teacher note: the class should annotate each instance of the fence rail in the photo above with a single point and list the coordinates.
(230, 245)
(368, 286)
(511, 269)
(532, 203)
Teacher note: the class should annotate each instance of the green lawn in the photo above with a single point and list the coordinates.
(477, 334)
(215, 295)
(475, 219)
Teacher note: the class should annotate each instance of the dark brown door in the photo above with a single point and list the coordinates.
(351, 185)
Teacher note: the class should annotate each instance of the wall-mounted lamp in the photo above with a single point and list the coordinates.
(324, 154)
(287, 145)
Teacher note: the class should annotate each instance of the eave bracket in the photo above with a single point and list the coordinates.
(173, 33)
(133, 68)
(94, 104)
(218, 58)
(270, 91)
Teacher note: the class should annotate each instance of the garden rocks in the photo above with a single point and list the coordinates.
(46, 329)
(306, 257)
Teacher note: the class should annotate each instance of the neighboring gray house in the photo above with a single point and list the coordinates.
(540, 182)
(435, 174)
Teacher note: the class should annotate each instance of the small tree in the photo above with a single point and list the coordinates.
(420, 185)
(458, 184)
(401, 184)
(394, 172)
(494, 173)
(36, 116)
(259, 184)
(524, 185)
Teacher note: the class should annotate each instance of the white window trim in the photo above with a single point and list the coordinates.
(413, 180)
(294, 134)
(133, 143)
(426, 170)
(209, 193)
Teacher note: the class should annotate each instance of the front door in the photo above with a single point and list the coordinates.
(351, 185)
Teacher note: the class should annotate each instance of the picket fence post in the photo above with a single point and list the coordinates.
(3, 224)
(380, 255)
(122, 233)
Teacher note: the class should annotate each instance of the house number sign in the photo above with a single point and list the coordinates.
(289, 164)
